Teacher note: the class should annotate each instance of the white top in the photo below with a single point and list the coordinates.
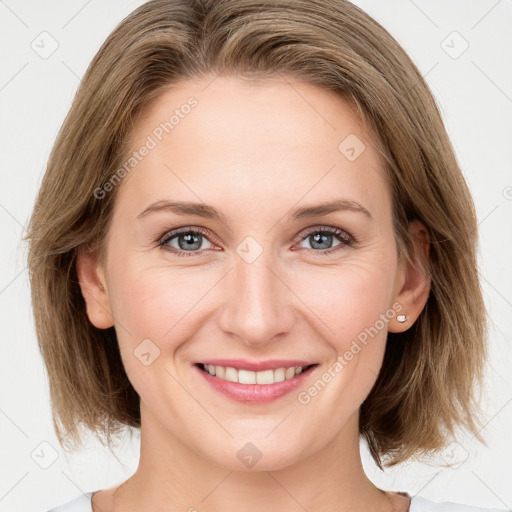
(418, 504)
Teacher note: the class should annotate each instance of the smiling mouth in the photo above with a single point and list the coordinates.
(231, 374)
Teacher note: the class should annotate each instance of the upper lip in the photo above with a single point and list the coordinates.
(256, 366)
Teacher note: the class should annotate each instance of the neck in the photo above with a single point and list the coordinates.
(172, 476)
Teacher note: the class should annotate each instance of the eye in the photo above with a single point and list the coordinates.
(322, 239)
(188, 241)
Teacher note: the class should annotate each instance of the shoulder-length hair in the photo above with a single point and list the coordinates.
(426, 385)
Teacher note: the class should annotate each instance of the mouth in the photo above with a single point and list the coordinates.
(243, 376)
(251, 386)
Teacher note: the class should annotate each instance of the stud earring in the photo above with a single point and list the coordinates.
(401, 318)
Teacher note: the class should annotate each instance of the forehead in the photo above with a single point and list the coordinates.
(225, 141)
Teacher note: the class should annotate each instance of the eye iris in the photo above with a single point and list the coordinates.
(190, 241)
(322, 239)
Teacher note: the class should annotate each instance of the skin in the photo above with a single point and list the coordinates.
(254, 152)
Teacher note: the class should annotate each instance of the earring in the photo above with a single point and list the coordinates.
(401, 318)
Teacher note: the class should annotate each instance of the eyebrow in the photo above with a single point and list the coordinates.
(209, 212)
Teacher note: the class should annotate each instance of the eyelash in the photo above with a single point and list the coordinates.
(343, 236)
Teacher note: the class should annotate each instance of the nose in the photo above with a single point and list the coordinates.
(259, 303)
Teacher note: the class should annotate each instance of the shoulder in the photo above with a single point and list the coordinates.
(420, 504)
(81, 503)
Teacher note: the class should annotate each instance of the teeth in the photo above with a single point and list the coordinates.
(279, 374)
(248, 377)
(266, 377)
(231, 374)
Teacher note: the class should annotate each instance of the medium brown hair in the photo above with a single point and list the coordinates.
(426, 384)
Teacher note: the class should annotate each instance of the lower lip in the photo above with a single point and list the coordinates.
(255, 392)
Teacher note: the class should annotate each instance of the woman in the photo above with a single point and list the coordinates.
(254, 243)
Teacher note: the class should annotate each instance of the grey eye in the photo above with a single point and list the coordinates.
(321, 240)
(187, 241)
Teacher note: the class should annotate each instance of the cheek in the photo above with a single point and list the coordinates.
(346, 299)
(155, 310)
(155, 302)
(350, 308)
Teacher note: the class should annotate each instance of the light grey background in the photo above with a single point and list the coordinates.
(474, 90)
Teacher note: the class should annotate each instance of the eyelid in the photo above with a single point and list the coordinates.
(174, 232)
(340, 233)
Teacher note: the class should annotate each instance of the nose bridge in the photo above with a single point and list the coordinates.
(257, 306)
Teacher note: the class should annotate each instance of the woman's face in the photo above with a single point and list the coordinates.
(267, 279)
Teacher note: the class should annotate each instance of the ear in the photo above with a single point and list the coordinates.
(413, 285)
(94, 289)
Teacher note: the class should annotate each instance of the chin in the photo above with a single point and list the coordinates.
(268, 453)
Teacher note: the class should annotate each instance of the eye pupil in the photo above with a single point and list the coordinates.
(190, 241)
(322, 239)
